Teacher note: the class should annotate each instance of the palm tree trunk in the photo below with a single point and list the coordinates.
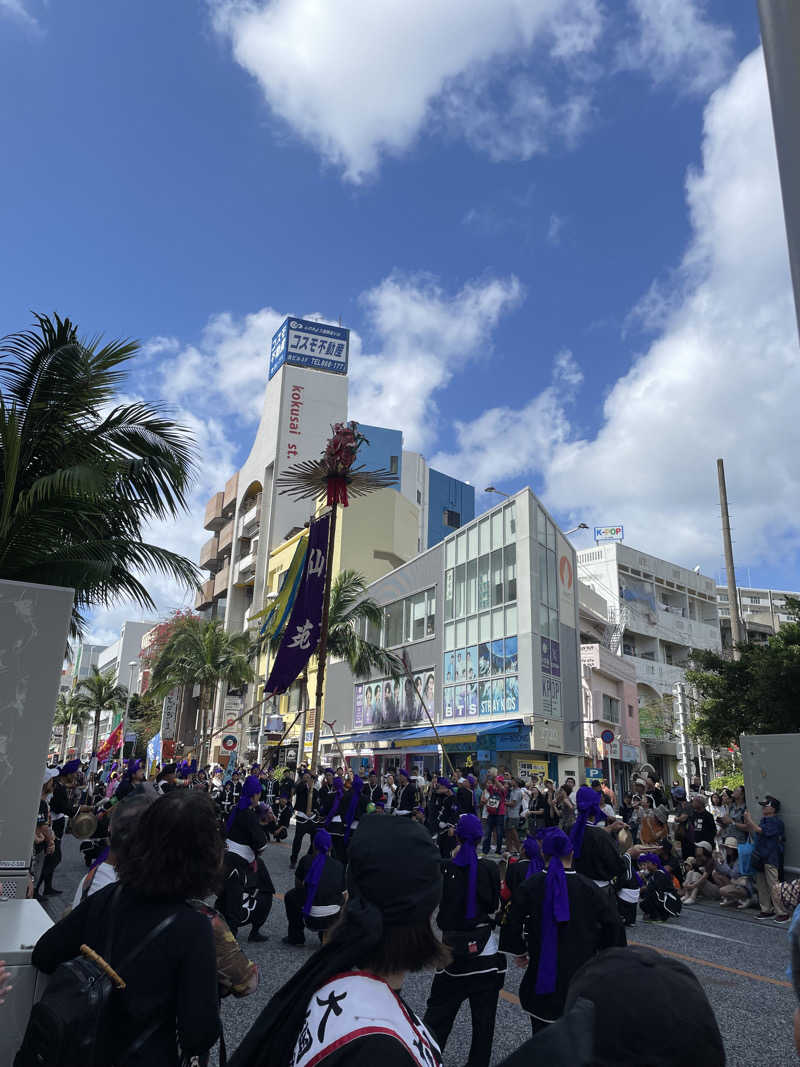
(96, 730)
(64, 738)
(201, 762)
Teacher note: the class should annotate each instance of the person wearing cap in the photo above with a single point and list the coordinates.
(247, 890)
(556, 922)
(658, 899)
(470, 899)
(345, 1005)
(304, 821)
(318, 893)
(406, 799)
(62, 808)
(769, 839)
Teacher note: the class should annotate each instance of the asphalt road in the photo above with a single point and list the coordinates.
(740, 961)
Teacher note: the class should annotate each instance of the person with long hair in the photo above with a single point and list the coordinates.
(247, 890)
(169, 1007)
(470, 899)
(345, 1004)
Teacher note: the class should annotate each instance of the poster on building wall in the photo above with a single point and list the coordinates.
(461, 702)
(565, 562)
(512, 696)
(485, 698)
(449, 667)
(472, 699)
(498, 696)
(545, 643)
(551, 697)
(393, 702)
(555, 659)
(532, 768)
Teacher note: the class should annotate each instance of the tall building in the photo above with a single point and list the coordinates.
(306, 393)
(116, 659)
(489, 621)
(762, 612)
(657, 613)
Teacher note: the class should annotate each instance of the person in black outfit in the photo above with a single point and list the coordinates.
(443, 816)
(704, 828)
(657, 899)
(62, 809)
(318, 893)
(406, 797)
(165, 782)
(305, 824)
(332, 809)
(465, 796)
(554, 943)
(525, 868)
(470, 898)
(374, 789)
(131, 779)
(596, 855)
(171, 987)
(247, 891)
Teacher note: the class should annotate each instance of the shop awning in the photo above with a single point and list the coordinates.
(451, 734)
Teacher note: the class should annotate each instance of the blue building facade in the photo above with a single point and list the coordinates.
(384, 451)
(451, 504)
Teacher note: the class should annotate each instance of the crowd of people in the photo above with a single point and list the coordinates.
(184, 867)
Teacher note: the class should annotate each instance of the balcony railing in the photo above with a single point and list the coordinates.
(213, 517)
(246, 569)
(248, 523)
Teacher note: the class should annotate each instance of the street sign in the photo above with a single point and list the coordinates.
(593, 773)
(607, 737)
(230, 742)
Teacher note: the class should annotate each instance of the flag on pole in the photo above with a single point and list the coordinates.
(301, 636)
(278, 611)
(111, 743)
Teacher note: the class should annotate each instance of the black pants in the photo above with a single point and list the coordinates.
(298, 923)
(301, 830)
(49, 866)
(447, 995)
(244, 899)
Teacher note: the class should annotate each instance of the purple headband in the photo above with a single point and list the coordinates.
(322, 846)
(445, 782)
(69, 767)
(587, 801)
(532, 849)
(352, 808)
(471, 780)
(651, 857)
(469, 831)
(555, 908)
(403, 771)
(251, 788)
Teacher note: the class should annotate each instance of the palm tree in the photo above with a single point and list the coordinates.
(201, 652)
(98, 693)
(80, 478)
(69, 711)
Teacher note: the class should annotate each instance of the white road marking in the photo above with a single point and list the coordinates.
(705, 933)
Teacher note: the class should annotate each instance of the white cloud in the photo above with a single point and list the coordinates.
(675, 42)
(423, 336)
(505, 443)
(357, 79)
(720, 379)
(555, 225)
(16, 9)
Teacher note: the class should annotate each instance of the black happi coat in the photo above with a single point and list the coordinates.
(406, 797)
(600, 859)
(593, 925)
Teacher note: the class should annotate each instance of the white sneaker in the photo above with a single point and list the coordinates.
(689, 900)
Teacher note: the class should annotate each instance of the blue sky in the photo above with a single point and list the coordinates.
(554, 226)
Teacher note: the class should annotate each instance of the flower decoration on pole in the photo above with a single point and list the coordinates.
(338, 457)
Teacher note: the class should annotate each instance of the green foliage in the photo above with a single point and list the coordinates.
(757, 694)
(144, 716)
(726, 781)
(99, 693)
(80, 477)
(201, 652)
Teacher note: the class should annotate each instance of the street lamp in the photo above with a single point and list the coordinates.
(491, 489)
(580, 526)
(131, 668)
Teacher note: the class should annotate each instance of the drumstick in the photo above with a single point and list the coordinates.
(90, 953)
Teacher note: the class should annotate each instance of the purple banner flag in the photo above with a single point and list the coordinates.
(302, 631)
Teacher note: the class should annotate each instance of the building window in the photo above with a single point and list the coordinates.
(630, 711)
(411, 619)
(610, 708)
(451, 518)
(419, 497)
(392, 464)
(755, 599)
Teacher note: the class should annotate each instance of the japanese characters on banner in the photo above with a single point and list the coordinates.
(169, 715)
(304, 343)
(303, 629)
(393, 702)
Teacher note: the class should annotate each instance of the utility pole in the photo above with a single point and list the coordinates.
(683, 748)
(733, 600)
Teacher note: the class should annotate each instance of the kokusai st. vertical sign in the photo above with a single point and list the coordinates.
(304, 343)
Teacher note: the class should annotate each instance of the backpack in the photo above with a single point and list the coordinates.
(70, 1025)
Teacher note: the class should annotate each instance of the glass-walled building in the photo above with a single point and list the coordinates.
(487, 621)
